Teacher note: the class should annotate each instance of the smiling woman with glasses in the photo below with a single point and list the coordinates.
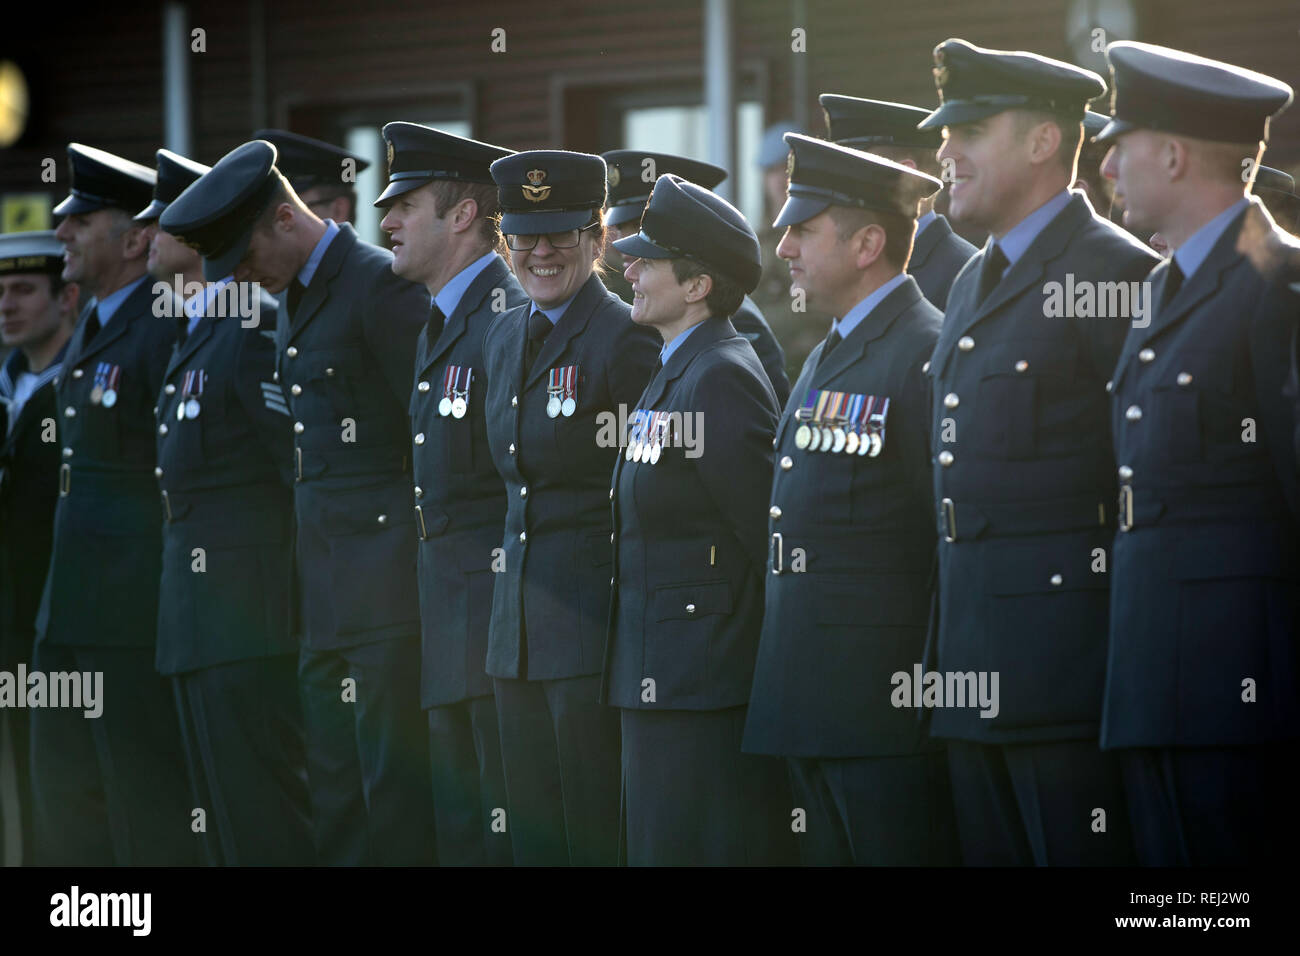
(559, 369)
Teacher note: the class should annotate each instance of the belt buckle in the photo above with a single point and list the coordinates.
(419, 523)
(1125, 507)
(776, 552)
(297, 466)
(167, 506)
(65, 479)
(948, 514)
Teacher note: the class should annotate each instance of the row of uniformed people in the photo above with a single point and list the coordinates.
(873, 784)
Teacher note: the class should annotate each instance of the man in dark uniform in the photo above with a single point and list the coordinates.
(1024, 475)
(169, 260)
(224, 635)
(889, 130)
(1276, 190)
(110, 789)
(1202, 705)
(1089, 179)
(37, 312)
(345, 343)
(688, 591)
(323, 175)
(629, 190)
(441, 204)
(851, 526)
(561, 370)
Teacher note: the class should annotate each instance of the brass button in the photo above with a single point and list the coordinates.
(611, 537)
(690, 609)
(774, 513)
(423, 386)
(945, 458)
(965, 343)
(275, 376)
(382, 519)
(1125, 473)
(77, 373)
(1110, 386)
(786, 462)
(1022, 366)
(511, 449)
(170, 389)
(523, 535)
(773, 441)
(157, 472)
(925, 368)
(67, 453)
(1184, 379)
(514, 401)
(419, 439)
(295, 389)
(329, 371)
(1057, 580)
(419, 492)
(951, 400)
(155, 411)
(70, 412)
(1147, 355)
(299, 428)
(291, 351)
(1133, 413)
(162, 429)
(611, 494)
(523, 491)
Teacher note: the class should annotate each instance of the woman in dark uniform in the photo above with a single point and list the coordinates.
(560, 368)
(690, 521)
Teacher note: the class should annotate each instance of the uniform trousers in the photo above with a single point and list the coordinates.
(383, 733)
(1212, 806)
(691, 798)
(876, 811)
(242, 730)
(1038, 804)
(111, 789)
(560, 753)
(469, 790)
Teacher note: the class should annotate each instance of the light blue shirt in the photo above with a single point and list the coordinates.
(556, 313)
(449, 296)
(313, 261)
(1022, 235)
(1192, 253)
(113, 301)
(924, 221)
(846, 325)
(197, 306)
(669, 348)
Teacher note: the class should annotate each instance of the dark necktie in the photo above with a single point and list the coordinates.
(1173, 282)
(832, 340)
(436, 321)
(92, 326)
(995, 263)
(296, 289)
(182, 329)
(539, 327)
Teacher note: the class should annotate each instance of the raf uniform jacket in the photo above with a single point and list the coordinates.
(690, 548)
(224, 475)
(29, 490)
(853, 542)
(344, 361)
(937, 256)
(1206, 583)
(749, 322)
(102, 588)
(460, 500)
(550, 606)
(1024, 483)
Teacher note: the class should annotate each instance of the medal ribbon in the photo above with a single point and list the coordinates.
(823, 399)
(448, 377)
(570, 382)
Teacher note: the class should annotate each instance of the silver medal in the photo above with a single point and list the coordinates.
(568, 407)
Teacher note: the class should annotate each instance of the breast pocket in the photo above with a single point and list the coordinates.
(1193, 413)
(327, 380)
(1019, 384)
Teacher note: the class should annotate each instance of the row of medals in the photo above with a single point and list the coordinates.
(644, 450)
(187, 408)
(842, 438)
(455, 407)
(99, 395)
(555, 407)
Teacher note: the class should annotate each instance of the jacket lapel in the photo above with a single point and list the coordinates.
(318, 289)
(458, 322)
(202, 332)
(136, 304)
(709, 331)
(927, 242)
(873, 326)
(574, 320)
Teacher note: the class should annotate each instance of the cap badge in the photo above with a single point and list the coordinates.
(536, 192)
(189, 245)
(391, 153)
(615, 177)
(940, 70)
(789, 164)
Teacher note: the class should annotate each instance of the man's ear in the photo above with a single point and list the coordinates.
(67, 299)
(1174, 157)
(464, 215)
(1044, 141)
(868, 244)
(135, 241)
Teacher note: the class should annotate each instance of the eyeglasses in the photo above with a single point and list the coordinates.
(558, 240)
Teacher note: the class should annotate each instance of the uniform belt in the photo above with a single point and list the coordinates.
(1141, 506)
(379, 461)
(109, 483)
(228, 504)
(963, 521)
